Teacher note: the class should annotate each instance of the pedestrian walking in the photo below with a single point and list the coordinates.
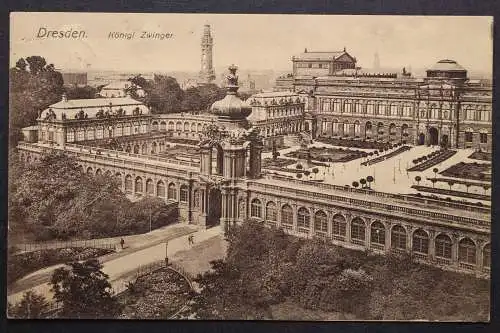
(192, 239)
(122, 242)
(189, 239)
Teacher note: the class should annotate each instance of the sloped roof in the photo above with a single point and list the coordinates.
(94, 102)
(324, 56)
(91, 106)
(447, 65)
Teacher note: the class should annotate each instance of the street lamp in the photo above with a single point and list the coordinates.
(166, 253)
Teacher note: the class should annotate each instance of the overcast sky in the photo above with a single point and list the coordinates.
(252, 41)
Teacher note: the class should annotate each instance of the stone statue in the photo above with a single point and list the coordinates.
(232, 78)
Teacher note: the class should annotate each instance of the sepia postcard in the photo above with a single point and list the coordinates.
(250, 167)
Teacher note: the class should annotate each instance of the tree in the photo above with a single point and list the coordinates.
(433, 181)
(370, 180)
(21, 64)
(36, 64)
(77, 92)
(163, 94)
(362, 181)
(54, 199)
(467, 185)
(450, 183)
(435, 170)
(84, 291)
(31, 306)
(30, 92)
(486, 187)
(418, 179)
(355, 184)
(299, 167)
(299, 175)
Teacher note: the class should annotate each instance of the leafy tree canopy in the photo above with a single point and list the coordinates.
(84, 291)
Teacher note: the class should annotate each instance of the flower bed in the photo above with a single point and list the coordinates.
(355, 143)
(20, 265)
(157, 295)
(481, 155)
(386, 156)
(474, 171)
(433, 159)
(324, 154)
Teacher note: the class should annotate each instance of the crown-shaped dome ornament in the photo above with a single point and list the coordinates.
(231, 107)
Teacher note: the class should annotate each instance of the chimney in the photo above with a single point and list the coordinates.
(305, 50)
(64, 98)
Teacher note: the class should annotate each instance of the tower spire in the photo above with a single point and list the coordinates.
(207, 74)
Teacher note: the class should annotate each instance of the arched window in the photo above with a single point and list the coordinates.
(178, 126)
(339, 226)
(193, 127)
(153, 147)
(487, 256)
(149, 187)
(172, 191)
(184, 195)
(303, 218)
(118, 130)
(186, 127)
(468, 135)
(163, 126)
(377, 233)
(138, 185)
(98, 172)
(467, 251)
(271, 213)
(90, 171)
(126, 129)
(256, 208)
(420, 242)
(320, 221)
(144, 149)
(160, 189)
(443, 246)
(128, 184)
(358, 231)
(398, 237)
(171, 126)
(287, 215)
(155, 125)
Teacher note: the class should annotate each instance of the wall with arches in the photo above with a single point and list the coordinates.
(461, 249)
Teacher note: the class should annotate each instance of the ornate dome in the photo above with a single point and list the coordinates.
(231, 107)
(447, 65)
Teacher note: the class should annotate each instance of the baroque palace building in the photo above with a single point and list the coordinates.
(444, 108)
(227, 185)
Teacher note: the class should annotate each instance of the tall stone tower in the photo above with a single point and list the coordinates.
(207, 74)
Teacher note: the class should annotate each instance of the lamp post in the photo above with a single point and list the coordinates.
(166, 253)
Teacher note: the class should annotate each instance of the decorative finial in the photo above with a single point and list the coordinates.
(305, 50)
(344, 48)
(232, 80)
(64, 97)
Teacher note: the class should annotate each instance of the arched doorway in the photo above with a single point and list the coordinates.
(421, 139)
(433, 136)
(214, 207)
(444, 141)
(217, 163)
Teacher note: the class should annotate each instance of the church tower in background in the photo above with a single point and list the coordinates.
(207, 74)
